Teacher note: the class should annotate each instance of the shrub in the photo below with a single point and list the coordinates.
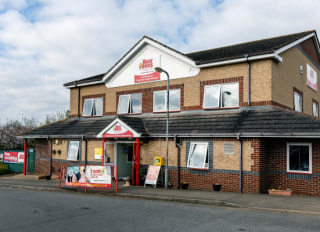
(3, 169)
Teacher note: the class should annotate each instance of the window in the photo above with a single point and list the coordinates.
(297, 102)
(93, 107)
(130, 104)
(73, 152)
(299, 157)
(198, 156)
(221, 96)
(160, 100)
(315, 109)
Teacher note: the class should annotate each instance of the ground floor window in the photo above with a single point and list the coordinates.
(73, 151)
(198, 156)
(299, 157)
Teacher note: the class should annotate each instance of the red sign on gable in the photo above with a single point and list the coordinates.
(145, 70)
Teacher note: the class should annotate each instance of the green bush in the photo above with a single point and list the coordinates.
(3, 169)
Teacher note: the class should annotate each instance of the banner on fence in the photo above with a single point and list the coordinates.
(89, 176)
(13, 157)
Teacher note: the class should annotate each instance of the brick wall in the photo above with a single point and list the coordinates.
(42, 156)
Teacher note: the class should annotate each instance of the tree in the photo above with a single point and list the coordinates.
(12, 128)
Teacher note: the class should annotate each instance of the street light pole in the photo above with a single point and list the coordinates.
(160, 70)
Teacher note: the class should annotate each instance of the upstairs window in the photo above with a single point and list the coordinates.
(297, 102)
(93, 107)
(130, 104)
(160, 100)
(73, 151)
(198, 156)
(315, 109)
(221, 96)
(299, 157)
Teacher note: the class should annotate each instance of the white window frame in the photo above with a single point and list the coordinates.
(92, 108)
(315, 109)
(297, 101)
(73, 153)
(204, 158)
(128, 104)
(164, 92)
(219, 95)
(310, 158)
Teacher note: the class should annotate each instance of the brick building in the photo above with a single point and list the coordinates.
(245, 116)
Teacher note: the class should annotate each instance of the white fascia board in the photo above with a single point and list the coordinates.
(285, 48)
(273, 56)
(138, 47)
(85, 84)
(114, 122)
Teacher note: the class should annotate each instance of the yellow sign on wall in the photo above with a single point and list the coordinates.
(158, 161)
(98, 153)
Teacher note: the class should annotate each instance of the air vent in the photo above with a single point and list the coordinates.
(228, 148)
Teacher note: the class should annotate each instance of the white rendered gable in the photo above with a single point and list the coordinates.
(127, 72)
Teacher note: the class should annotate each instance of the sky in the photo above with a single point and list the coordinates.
(46, 43)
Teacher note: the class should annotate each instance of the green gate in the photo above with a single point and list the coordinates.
(18, 167)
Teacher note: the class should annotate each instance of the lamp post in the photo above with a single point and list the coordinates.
(160, 70)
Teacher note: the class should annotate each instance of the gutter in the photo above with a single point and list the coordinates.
(274, 56)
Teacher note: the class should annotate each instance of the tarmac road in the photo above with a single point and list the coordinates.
(29, 210)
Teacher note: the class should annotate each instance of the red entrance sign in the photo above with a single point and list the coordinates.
(118, 131)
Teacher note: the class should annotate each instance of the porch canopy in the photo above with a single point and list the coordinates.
(259, 122)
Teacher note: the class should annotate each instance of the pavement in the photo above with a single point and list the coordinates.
(292, 204)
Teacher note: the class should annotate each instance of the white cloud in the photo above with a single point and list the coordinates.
(46, 43)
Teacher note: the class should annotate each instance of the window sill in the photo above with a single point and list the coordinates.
(203, 169)
(91, 116)
(221, 108)
(129, 114)
(304, 173)
(161, 112)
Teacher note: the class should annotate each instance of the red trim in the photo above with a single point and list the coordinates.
(137, 161)
(25, 158)
(117, 180)
(103, 141)
(133, 163)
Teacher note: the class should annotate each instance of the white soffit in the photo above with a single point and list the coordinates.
(177, 65)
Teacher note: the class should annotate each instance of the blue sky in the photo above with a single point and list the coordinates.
(46, 43)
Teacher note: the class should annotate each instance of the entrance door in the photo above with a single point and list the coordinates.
(31, 159)
(124, 159)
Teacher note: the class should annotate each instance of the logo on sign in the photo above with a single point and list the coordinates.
(117, 128)
(145, 69)
(312, 79)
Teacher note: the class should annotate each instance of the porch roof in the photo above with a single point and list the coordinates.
(244, 122)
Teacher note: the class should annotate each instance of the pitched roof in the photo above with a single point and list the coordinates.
(233, 52)
(94, 79)
(262, 122)
(254, 48)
